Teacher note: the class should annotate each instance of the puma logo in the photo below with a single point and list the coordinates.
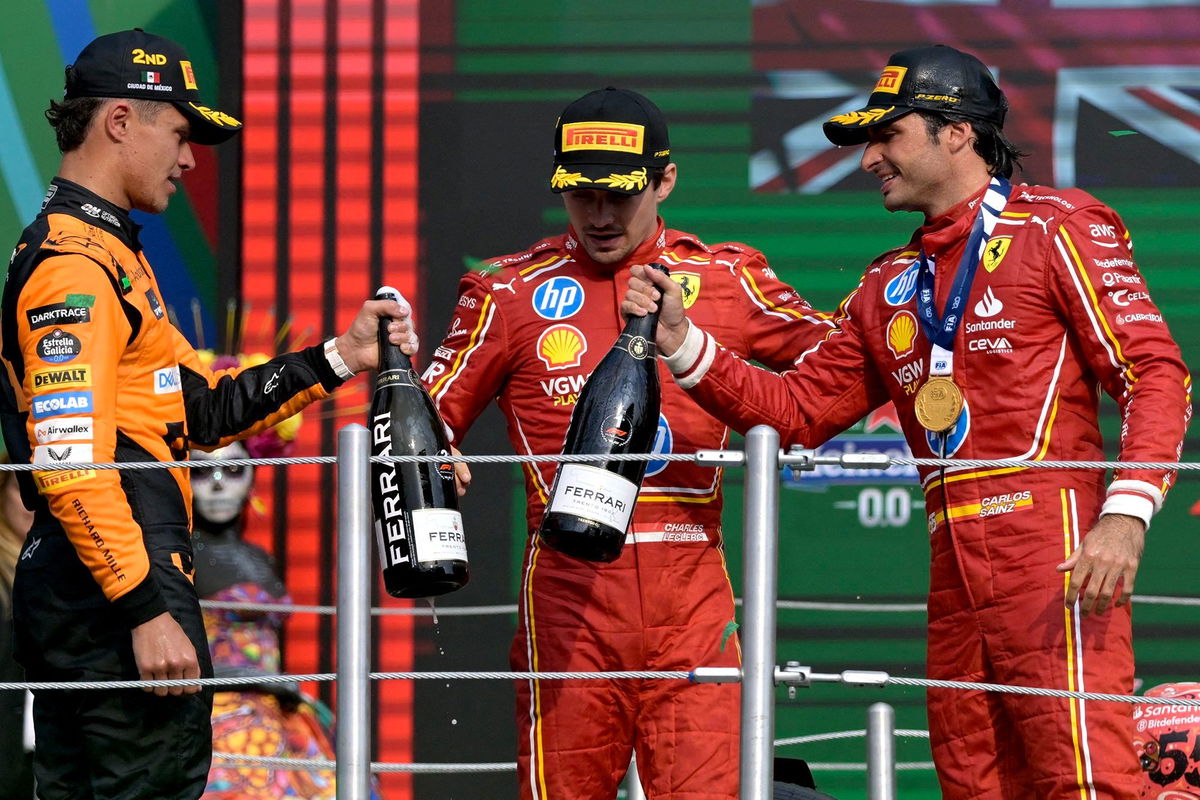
(498, 286)
(1039, 221)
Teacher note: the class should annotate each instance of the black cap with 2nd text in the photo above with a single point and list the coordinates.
(610, 139)
(934, 78)
(137, 65)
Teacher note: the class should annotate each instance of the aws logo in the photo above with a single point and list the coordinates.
(561, 347)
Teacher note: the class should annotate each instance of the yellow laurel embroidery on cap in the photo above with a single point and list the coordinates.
(561, 179)
(217, 117)
(633, 180)
(868, 117)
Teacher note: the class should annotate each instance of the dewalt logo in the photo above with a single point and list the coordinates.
(70, 376)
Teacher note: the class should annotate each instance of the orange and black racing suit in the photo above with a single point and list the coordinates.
(94, 372)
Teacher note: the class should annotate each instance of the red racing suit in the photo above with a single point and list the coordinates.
(1057, 311)
(528, 330)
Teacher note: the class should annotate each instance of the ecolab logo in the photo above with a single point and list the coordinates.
(49, 405)
(166, 380)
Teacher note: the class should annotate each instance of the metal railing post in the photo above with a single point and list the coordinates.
(633, 782)
(353, 615)
(881, 752)
(761, 534)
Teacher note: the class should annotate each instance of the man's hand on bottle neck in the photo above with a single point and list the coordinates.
(359, 345)
(650, 290)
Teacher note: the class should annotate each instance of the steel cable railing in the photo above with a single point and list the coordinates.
(763, 459)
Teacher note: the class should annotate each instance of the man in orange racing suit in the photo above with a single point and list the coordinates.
(94, 372)
(1057, 310)
(527, 331)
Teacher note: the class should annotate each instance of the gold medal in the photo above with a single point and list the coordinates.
(938, 404)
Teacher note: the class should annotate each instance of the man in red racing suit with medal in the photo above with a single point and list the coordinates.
(992, 331)
(527, 331)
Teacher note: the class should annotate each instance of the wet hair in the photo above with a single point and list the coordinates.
(1000, 154)
(71, 118)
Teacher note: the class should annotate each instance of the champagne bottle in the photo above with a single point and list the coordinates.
(422, 547)
(591, 504)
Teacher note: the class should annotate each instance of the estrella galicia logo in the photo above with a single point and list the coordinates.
(662, 444)
(49, 405)
(58, 346)
(954, 437)
(558, 298)
(903, 287)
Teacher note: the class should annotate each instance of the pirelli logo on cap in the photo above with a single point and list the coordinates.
(890, 80)
(189, 76)
(615, 136)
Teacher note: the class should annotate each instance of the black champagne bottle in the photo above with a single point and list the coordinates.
(591, 504)
(419, 530)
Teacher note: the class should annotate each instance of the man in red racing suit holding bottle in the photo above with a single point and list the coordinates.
(527, 331)
(992, 331)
